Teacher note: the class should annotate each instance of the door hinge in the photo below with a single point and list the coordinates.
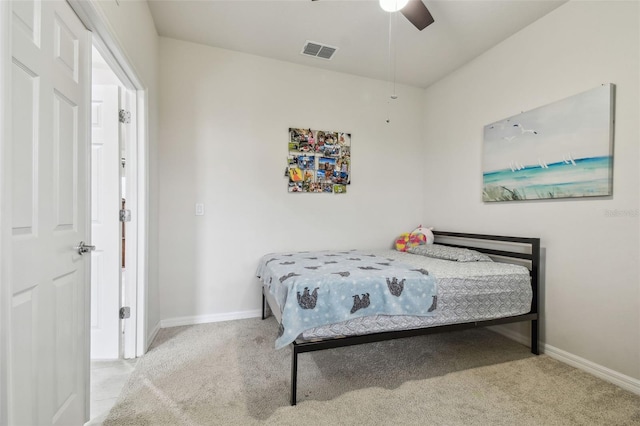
(124, 116)
(125, 215)
(125, 312)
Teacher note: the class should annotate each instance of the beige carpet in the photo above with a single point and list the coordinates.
(229, 374)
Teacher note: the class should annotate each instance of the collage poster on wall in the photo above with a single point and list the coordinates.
(319, 161)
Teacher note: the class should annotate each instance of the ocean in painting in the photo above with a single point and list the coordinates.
(583, 177)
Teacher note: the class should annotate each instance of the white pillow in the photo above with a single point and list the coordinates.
(456, 254)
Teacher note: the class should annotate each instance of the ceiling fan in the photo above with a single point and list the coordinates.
(414, 10)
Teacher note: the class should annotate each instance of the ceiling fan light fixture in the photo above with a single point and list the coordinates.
(393, 5)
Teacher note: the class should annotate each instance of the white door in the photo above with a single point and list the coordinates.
(105, 223)
(49, 195)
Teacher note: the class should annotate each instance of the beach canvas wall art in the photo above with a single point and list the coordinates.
(561, 150)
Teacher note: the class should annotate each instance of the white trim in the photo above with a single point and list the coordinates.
(5, 211)
(619, 379)
(94, 19)
(204, 319)
(131, 242)
(86, 163)
(604, 373)
(153, 334)
(142, 225)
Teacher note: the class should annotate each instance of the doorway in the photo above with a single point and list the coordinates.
(108, 142)
(126, 180)
(113, 330)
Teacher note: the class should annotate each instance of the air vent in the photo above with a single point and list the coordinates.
(318, 50)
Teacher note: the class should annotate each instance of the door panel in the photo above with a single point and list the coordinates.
(65, 344)
(26, 18)
(50, 93)
(65, 145)
(65, 48)
(24, 356)
(24, 103)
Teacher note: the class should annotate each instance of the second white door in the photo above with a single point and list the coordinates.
(105, 223)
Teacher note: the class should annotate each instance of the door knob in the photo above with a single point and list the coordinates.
(83, 248)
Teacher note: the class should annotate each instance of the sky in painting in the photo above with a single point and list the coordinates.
(576, 127)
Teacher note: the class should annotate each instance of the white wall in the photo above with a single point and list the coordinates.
(591, 297)
(133, 27)
(223, 141)
(5, 212)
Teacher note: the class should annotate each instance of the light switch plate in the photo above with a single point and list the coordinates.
(199, 209)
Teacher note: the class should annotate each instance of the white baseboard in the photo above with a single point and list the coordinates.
(612, 376)
(152, 335)
(204, 319)
(619, 379)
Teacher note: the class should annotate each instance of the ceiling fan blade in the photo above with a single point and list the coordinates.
(418, 14)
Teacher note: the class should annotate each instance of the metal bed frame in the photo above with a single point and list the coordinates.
(532, 258)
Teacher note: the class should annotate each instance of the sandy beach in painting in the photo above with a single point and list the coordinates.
(583, 177)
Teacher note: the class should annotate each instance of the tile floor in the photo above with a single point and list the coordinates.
(108, 377)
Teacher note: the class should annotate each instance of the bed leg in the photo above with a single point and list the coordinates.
(534, 337)
(294, 373)
(264, 300)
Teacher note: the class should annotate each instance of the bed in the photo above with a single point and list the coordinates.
(330, 299)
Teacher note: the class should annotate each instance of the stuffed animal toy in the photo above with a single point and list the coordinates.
(426, 232)
(407, 240)
(420, 235)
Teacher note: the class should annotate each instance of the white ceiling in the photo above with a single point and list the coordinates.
(278, 29)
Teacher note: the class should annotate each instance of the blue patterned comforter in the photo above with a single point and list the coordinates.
(325, 287)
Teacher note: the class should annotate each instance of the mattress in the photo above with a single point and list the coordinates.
(467, 291)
